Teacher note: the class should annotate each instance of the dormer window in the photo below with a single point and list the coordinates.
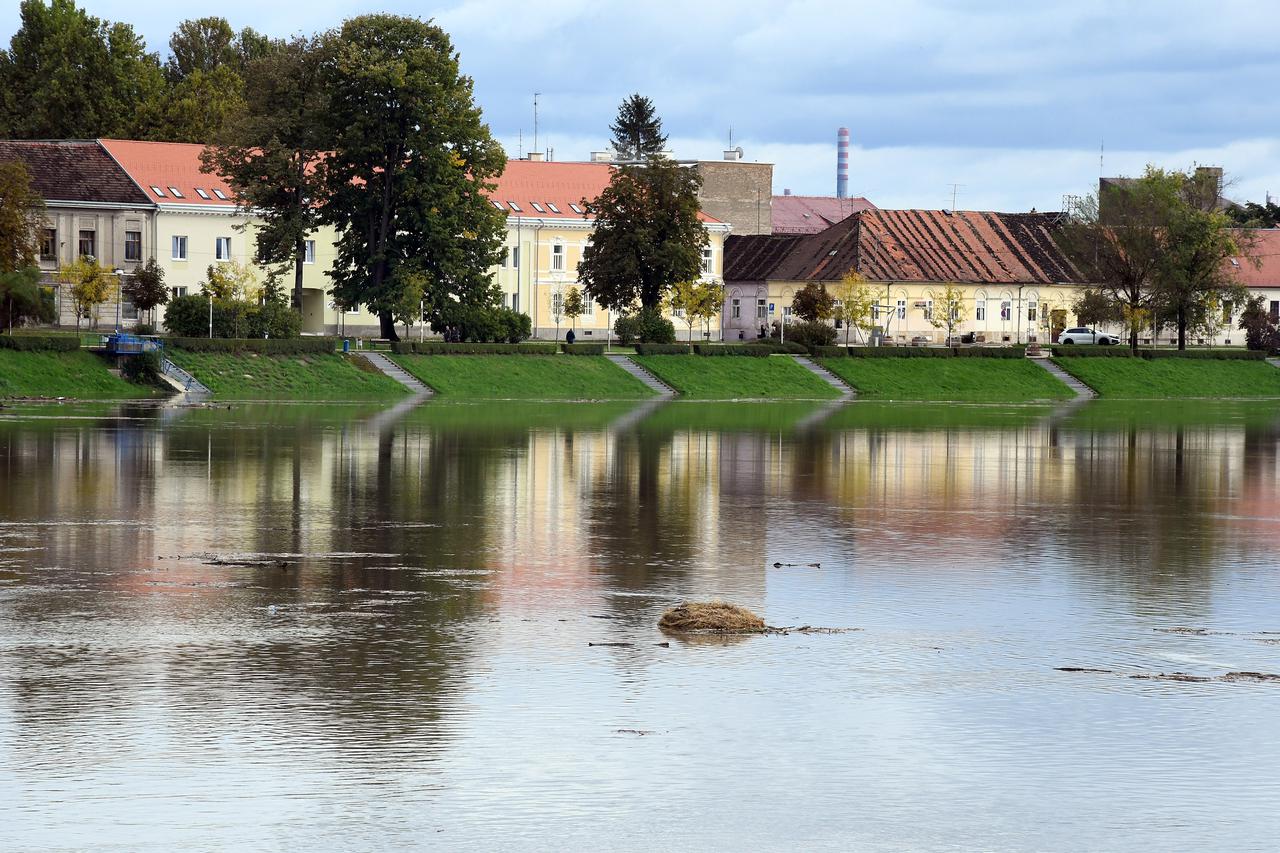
(538, 207)
(576, 209)
(159, 192)
(514, 206)
(552, 208)
(204, 195)
(497, 204)
(220, 194)
(175, 193)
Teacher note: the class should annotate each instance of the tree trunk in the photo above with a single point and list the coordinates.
(299, 254)
(1182, 328)
(387, 324)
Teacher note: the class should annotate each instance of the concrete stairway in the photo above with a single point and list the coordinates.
(180, 380)
(396, 372)
(1082, 391)
(845, 389)
(655, 384)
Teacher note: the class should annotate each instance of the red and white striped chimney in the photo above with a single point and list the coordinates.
(842, 163)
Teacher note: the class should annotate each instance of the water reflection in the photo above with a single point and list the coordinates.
(240, 610)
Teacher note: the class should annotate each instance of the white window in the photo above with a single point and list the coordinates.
(737, 309)
(175, 193)
(159, 192)
(557, 257)
(902, 309)
(786, 311)
(222, 249)
(762, 310)
(203, 194)
(677, 312)
(1031, 311)
(1006, 310)
(128, 311)
(177, 292)
(179, 248)
(928, 309)
(552, 208)
(537, 207)
(557, 303)
(875, 311)
(576, 209)
(707, 266)
(588, 306)
(515, 302)
(514, 206)
(497, 204)
(980, 310)
(309, 252)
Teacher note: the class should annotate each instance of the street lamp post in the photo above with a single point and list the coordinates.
(119, 273)
(211, 315)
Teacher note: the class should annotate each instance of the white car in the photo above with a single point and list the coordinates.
(1086, 336)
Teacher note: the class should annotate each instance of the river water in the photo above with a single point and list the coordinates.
(341, 627)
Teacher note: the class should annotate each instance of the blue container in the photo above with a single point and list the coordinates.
(346, 345)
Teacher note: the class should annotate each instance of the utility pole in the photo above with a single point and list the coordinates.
(955, 190)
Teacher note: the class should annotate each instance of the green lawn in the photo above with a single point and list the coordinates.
(525, 377)
(250, 376)
(733, 377)
(1143, 379)
(82, 375)
(969, 380)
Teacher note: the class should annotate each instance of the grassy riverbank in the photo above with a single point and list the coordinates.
(314, 376)
(80, 374)
(1168, 378)
(967, 380)
(524, 377)
(698, 377)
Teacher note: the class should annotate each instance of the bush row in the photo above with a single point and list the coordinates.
(583, 349)
(267, 346)
(663, 349)
(442, 348)
(48, 343)
(789, 346)
(188, 317)
(930, 352)
(750, 350)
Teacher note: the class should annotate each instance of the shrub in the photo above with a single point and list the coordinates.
(663, 349)
(188, 317)
(516, 326)
(989, 352)
(647, 326)
(787, 346)
(274, 320)
(268, 346)
(143, 368)
(583, 349)
(899, 352)
(831, 352)
(1210, 354)
(752, 350)
(47, 343)
(485, 324)
(811, 334)
(145, 329)
(442, 348)
(1090, 352)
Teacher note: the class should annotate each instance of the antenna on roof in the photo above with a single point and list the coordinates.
(1102, 151)
(536, 95)
(955, 190)
(520, 145)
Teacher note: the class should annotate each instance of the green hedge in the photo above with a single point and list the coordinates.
(831, 352)
(934, 352)
(663, 349)
(48, 343)
(989, 352)
(1090, 352)
(750, 350)
(266, 346)
(1212, 354)
(442, 348)
(583, 349)
(792, 347)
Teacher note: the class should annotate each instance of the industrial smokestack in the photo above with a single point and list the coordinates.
(842, 163)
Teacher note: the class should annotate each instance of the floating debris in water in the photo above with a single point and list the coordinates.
(616, 645)
(711, 616)
(639, 732)
(800, 565)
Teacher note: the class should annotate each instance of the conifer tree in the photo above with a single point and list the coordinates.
(637, 131)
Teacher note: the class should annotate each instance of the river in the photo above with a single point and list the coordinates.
(286, 627)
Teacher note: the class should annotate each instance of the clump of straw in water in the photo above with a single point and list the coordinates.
(716, 616)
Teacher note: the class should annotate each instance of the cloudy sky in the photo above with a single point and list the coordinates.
(1014, 101)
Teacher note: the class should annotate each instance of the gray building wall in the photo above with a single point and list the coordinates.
(739, 193)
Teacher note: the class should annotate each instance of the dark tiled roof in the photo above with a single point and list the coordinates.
(916, 245)
(754, 257)
(73, 171)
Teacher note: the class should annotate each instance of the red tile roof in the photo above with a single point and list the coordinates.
(169, 166)
(553, 187)
(73, 171)
(911, 245)
(1258, 264)
(809, 214)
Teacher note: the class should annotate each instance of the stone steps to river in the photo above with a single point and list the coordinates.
(845, 389)
(1082, 391)
(652, 382)
(396, 372)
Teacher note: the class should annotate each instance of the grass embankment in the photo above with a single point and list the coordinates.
(314, 376)
(776, 377)
(524, 377)
(1164, 378)
(966, 380)
(81, 375)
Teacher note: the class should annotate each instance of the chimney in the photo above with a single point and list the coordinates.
(535, 156)
(787, 191)
(733, 153)
(842, 163)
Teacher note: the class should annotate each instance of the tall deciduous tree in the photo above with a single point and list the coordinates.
(647, 235)
(637, 130)
(202, 44)
(1118, 240)
(270, 153)
(813, 303)
(21, 216)
(854, 301)
(408, 172)
(69, 75)
(145, 288)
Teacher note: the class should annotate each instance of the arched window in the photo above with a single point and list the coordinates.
(980, 308)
